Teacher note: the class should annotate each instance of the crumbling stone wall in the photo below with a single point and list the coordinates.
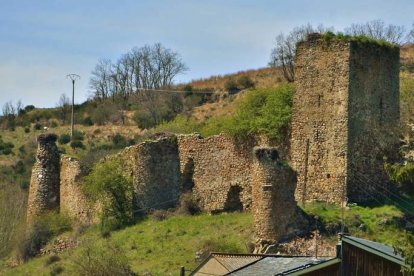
(345, 110)
(44, 182)
(275, 212)
(72, 200)
(156, 174)
(217, 170)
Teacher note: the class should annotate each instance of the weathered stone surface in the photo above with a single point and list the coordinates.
(275, 212)
(156, 174)
(217, 170)
(44, 182)
(72, 200)
(345, 118)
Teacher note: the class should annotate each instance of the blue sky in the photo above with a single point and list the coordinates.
(43, 41)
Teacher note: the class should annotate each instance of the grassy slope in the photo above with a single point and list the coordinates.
(162, 247)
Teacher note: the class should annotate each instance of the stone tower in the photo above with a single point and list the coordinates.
(44, 183)
(345, 118)
(275, 212)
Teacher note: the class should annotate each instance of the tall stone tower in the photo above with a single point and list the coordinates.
(345, 118)
(44, 183)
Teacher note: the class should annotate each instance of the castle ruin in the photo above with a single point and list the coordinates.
(275, 212)
(45, 180)
(345, 118)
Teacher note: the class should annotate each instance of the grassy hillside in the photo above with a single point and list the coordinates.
(161, 247)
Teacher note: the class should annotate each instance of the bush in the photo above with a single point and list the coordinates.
(41, 231)
(6, 147)
(54, 124)
(78, 135)
(261, 112)
(108, 183)
(29, 108)
(37, 126)
(87, 121)
(26, 130)
(119, 141)
(77, 145)
(245, 82)
(64, 139)
(231, 86)
(402, 176)
(101, 259)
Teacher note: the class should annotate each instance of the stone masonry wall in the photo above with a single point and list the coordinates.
(374, 113)
(345, 116)
(156, 174)
(217, 171)
(320, 120)
(44, 182)
(275, 212)
(72, 200)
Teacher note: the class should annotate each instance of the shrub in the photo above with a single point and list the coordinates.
(262, 111)
(77, 145)
(37, 126)
(119, 141)
(107, 183)
(87, 121)
(159, 215)
(29, 108)
(64, 139)
(41, 231)
(26, 130)
(101, 259)
(54, 124)
(78, 135)
(402, 175)
(52, 259)
(245, 82)
(6, 147)
(231, 86)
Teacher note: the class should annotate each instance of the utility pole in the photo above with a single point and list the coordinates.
(72, 77)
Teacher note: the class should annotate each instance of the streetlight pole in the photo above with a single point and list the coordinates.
(72, 77)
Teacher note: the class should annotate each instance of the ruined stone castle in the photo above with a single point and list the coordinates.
(345, 120)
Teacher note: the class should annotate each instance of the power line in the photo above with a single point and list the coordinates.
(174, 91)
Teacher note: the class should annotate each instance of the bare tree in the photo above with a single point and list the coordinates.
(377, 29)
(8, 110)
(410, 36)
(19, 107)
(285, 48)
(148, 67)
(64, 107)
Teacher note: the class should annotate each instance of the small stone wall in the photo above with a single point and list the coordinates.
(217, 171)
(156, 174)
(275, 212)
(44, 182)
(72, 200)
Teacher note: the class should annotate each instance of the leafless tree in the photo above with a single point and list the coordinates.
(9, 110)
(285, 48)
(102, 82)
(377, 29)
(19, 107)
(64, 107)
(410, 36)
(148, 67)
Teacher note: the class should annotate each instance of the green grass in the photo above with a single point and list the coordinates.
(160, 247)
(373, 218)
